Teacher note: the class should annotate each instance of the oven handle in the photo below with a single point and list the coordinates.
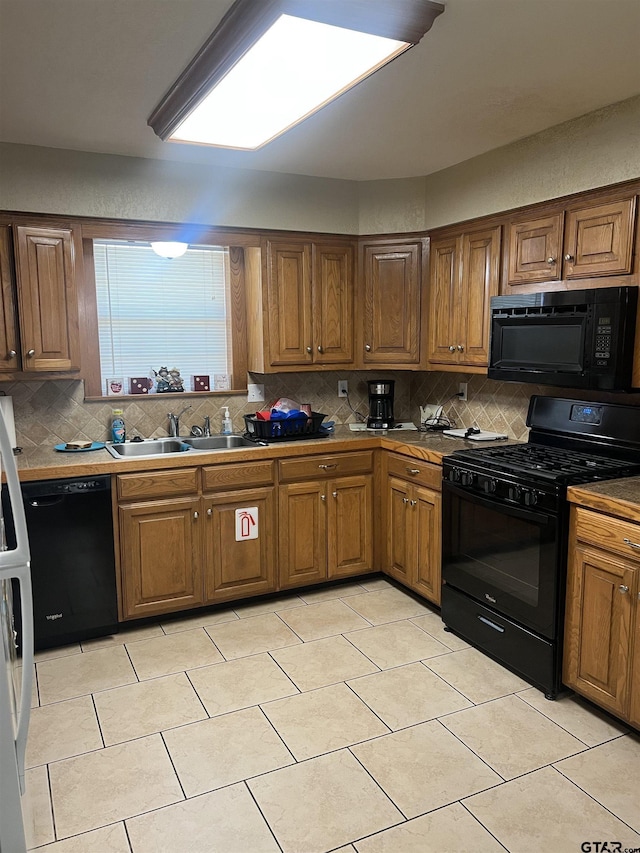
(507, 509)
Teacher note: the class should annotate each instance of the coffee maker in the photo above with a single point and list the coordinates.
(380, 404)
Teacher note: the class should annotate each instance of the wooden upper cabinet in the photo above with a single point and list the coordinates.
(465, 274)
(289, 303)
(48, 302)
(535, 250)
(392, 283)
(332, 304)
(9, 344)
(599, 239)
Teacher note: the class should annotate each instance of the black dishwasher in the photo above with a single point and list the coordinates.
(72, 558)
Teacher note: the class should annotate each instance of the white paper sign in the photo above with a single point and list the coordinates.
(246, 523)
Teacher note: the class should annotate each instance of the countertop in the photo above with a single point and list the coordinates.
(46, 463)
(613, 497)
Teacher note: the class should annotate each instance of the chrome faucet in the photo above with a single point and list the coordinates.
(207, 426)
(174, 422)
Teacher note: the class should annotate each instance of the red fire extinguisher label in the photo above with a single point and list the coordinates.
(246, 523)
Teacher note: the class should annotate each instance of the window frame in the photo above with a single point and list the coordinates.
(235, 295)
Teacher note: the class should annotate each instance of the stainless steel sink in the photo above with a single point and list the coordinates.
(173, 446)
(218, 442)
(154, 447)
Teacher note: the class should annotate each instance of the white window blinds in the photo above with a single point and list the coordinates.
(154, 312)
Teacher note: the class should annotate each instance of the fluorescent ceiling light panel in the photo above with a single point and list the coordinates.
(295, 68)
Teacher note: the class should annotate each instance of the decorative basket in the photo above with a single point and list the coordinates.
(286, 429)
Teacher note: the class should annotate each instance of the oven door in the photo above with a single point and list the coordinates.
(505, 556)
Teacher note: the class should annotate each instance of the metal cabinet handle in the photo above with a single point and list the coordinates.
(551, 260)
(31, 353)
(12, 353)
(568, 257)
(309, 350)
(405, 500)
(630, 543)
(209, 512)
(623, 588)
(323, 497)
(413, 470)
(452, 348)
(320, 349)
(335, 494)
(413, 503)
(196, 515)
(326, 467)
(367, 347)
(460, 348)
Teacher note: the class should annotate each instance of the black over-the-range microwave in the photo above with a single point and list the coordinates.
(571, 338)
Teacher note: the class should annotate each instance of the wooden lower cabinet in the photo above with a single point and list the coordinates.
(325, 529)
(602, 641)
(161, 555)
(236, 568)
(413, 541)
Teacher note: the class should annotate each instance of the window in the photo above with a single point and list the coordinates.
(154, 312)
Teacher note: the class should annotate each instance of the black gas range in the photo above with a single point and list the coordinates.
(505, 529)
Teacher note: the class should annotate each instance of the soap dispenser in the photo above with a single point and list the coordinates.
(227, 426)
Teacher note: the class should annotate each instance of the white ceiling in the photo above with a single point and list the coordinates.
(85, 75)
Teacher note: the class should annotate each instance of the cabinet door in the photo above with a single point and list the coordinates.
(303, 533)
(599, 240)
(332, 304)
(427, 520)
(598, 627)
(160, 556)
(535, 250)
(399, 550)
(480, 281)
(235, 567)
(289, 303)
(634, 700)
(45, 270)
(392, 304)
(9, 347)
(444, 286)
(349, 519)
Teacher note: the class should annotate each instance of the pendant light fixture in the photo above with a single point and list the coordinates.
(272, 63)
(169, 249)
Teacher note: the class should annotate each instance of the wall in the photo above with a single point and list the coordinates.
(595, 150)
(47, 180)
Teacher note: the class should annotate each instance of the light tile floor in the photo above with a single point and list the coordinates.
(342, 719)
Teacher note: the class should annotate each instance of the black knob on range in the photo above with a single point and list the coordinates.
(467, 478)
(529, 497)
(454, 475)
(489, 486)
(514, 493)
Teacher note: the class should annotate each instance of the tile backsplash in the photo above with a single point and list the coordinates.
(49, 412)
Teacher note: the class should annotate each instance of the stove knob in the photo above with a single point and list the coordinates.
(467, 478)
(454, 475)
(489, 486)
(514, 493)
(529, 497)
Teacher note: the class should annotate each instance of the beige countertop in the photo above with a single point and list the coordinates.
(613, 497)
(46, 463)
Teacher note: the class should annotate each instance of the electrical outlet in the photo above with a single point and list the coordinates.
(343, 388)
(255, 393)
(462, 391)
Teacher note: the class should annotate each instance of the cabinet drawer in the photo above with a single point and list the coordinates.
(239, 475)
(318, 467)
(157, 484)
(414, 470)
(609, 533)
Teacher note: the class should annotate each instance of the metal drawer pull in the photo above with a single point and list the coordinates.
(323, 497)
(209, 512)
(551, 260)
(31, 353)
(326, 467)
(335, 494)
(623, 588)
(367, 347)
(452, 348)
(491, 624)
(309, 350)
(413, 503)
(12, 353)
(568, 257)
(630, 543)
(405, 500)
(413, 470)
(196, 515)
(460, 348)
(320, 349)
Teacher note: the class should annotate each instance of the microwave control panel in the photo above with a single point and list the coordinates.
(604, 329)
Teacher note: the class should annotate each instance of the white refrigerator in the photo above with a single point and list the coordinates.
(16, 673)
